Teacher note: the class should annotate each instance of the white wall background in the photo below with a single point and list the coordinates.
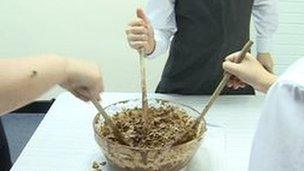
(289, 39)
(94, 30)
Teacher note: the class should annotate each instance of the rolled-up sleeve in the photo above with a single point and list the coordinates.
(266, 19)
(162, 16)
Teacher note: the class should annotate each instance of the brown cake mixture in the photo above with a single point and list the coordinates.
(165, 127)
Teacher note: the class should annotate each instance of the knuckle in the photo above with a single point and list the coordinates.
(139, 20)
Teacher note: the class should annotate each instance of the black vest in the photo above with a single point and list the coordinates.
(208, 31)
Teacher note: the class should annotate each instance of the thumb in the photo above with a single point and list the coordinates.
(231, 67)
(141, 14)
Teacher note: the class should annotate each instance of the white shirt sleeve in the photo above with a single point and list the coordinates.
(279, 140)
(266, 20)
(162, 16)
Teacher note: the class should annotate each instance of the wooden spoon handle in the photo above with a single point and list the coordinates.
(222, 85)
(142, 63)
(109, 121)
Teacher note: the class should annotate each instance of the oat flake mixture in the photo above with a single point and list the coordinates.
(164, 127)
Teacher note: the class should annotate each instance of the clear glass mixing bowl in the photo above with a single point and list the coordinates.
(142, 159)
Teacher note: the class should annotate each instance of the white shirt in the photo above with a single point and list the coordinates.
(279, 141)
(162, 16)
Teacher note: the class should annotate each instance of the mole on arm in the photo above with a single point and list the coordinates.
(33, 73)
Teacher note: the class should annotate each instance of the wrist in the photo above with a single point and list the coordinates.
(267, 81)
(261, 54)
(266, 60)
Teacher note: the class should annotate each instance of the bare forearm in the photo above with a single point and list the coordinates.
(23, 80)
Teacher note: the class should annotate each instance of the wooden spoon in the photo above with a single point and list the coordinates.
(143, 76)
(221, 85)
(110, 122)
(214, 96)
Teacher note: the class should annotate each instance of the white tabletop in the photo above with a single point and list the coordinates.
(64, 140)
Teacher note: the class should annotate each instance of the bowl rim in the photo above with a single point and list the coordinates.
(151, 149)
